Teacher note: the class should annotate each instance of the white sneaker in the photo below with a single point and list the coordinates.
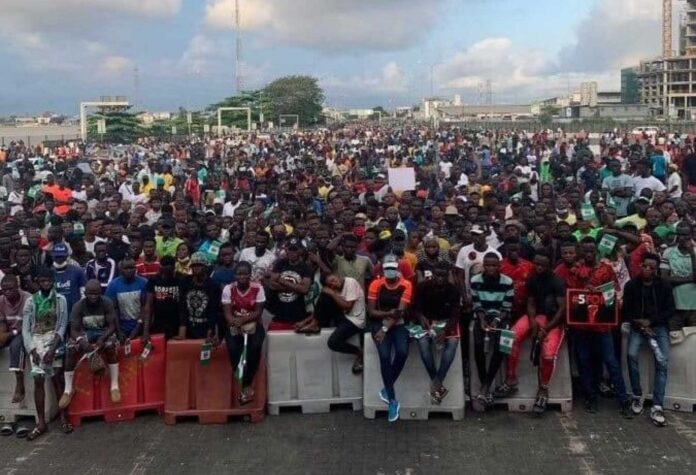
(637, 406)
(658, 416)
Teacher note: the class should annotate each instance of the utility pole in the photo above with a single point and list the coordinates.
(238, 57)
(136, 87)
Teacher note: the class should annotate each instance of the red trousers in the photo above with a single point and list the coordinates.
(549, 349)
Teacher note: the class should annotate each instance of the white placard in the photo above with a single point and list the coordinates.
(402, 179)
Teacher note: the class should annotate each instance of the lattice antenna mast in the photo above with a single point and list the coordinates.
(238, 41)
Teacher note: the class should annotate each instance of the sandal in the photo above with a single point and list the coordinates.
(22, 432)
(246, 397)
(66, 427)
(357, 366)
(6, 430)
(36, 433)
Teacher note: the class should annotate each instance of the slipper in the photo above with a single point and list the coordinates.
(22, 432)
(66, 427)
(36, 433)
(6, 430)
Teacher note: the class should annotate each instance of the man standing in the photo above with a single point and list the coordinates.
(128, 294)
(619, 187)
(679, 270)
(470, 256)
(148, 265)
(648, 307)
(70, 279)
(259, 256)
(102, 268)
(44, 321)
(166, 243)
(12, 303)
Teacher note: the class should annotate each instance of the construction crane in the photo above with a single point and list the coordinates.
(666, 28)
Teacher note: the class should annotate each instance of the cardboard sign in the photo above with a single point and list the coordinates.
(585, 308)
(402, 179)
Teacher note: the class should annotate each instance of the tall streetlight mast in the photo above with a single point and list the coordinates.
(238, 58)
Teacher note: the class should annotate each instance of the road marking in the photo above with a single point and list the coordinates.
(682, 429)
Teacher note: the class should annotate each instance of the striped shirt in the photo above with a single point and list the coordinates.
(492, 297)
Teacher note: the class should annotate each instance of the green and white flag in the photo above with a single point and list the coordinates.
(416, 331)
(607, 244)
(239, 372)
(588, 212)
(609, 293)
(507, 338)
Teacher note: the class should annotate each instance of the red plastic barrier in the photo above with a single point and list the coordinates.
(208, 392)
(141, 385)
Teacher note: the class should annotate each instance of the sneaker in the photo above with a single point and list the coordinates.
(394, 408)
(357, 365)
(605, 390)
(658, 416)
(637, 406)
(383, 395)
(505, 390)
(65, 400)
(627, 410)
(540, 403)
(591, 406)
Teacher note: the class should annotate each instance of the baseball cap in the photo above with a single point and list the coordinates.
(60, 250)
(451, 211)
(477, 229)
(390, 261)
(644, 199)
(198, 259)
(295, 244)
(361, 216)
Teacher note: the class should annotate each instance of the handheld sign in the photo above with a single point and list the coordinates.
(590, 308)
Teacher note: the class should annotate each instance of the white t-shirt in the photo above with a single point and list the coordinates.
(674, 180)
(229, 208)
(446, 167)
(259, 265)
(352, 292)
(468, 257)
(650, 182)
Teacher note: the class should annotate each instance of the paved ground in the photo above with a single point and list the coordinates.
(344, 442)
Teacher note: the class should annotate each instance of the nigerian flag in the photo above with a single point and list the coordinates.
(239, 372)
(507, 338)
(609, 293)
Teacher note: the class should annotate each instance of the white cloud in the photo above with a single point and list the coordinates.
(116, 65)
(331, 25)
(390, 79)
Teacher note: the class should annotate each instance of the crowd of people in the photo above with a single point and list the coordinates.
(225, 239)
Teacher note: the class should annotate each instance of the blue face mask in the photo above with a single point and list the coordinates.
(391, 273)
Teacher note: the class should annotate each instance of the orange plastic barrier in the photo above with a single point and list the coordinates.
(141, 385)
(208, 392)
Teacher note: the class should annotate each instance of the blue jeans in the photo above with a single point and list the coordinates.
(635, 342)
(426, 347)
(588, 344)
(396, 339)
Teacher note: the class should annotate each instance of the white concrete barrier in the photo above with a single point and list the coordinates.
(560, 389)
(10, 412)
(680, 393)
(304, 372)
(413, 386)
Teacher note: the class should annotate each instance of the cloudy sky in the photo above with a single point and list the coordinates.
(55, 53)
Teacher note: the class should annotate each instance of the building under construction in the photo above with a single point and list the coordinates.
(668, 84)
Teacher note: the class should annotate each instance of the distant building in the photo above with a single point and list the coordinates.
(431, 106)
(668, 86)
(589, 93)
(630, 86)
(492, 111)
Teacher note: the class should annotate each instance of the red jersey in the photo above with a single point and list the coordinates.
(147, 269)
(243, 300)
(519, 273)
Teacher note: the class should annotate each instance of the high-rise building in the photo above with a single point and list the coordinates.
(630, 86)
(689, 29)
(588, 93)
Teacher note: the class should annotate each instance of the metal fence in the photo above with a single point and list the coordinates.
(573, 126)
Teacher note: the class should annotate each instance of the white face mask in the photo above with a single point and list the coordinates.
(60, 266)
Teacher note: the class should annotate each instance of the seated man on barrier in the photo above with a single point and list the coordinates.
(201, 300)
(92, 331)
(349, 303)
(288, 282)
(242, 305)
(648, 307)
(44, 321)
(492, 295)
(544, 323)
(437, 309)
(679, 270)
(12, 303)
(388, 299)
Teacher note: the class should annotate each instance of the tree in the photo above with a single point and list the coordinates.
(299, 95)
(546, 115)
(121, 127)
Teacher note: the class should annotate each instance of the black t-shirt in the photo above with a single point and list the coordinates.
(201, 308)
(289, 306)
(26, 278)
(545, 289)
(166, 305)
(690, 169)
(436, 303)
